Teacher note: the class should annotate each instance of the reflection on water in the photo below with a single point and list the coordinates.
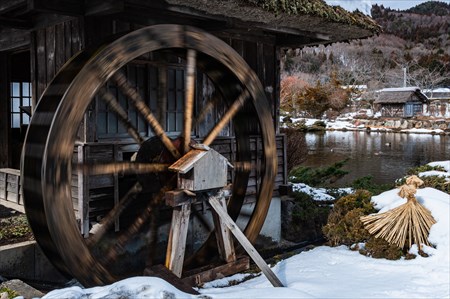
(385, 156)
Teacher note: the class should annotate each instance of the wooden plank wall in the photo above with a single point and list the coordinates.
(262, 56)
(5, 142)
(51, 47)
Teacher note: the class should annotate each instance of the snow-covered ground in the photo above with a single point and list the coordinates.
(347, 122)
(323, 272)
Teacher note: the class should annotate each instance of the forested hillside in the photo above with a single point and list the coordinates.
(414, 48)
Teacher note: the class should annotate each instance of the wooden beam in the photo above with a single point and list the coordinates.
(176, 245)
(8, 5)
(197, 278)
(103, 7)
(11, 39)
(259, 261)
(223, 236)
(63, 7)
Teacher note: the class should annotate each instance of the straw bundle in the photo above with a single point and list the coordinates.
(407, 224)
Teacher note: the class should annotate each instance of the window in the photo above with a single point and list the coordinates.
(20, 97)
(108, 123)
(175, 100)
(145, 79)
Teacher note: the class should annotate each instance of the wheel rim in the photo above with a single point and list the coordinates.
(212, 56)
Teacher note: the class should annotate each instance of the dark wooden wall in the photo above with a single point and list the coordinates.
(51, 47)
(5, 153)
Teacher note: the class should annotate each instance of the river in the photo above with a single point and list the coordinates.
(383, 155)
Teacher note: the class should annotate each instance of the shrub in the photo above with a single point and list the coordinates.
(304, 218)
(423, 168)
(379, 248)
(318, 176)
(343, 226)
(367, 183)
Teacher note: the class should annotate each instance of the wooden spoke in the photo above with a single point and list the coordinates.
(114, 105)
(110, 218)
(145, 111)
(189, 98)
(122, 168)
(244, 166)
(234, 108)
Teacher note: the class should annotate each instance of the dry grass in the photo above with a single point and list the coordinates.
(405, 225)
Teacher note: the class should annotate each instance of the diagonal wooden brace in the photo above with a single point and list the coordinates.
(225, 218)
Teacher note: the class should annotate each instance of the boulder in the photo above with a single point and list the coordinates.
(22, 288)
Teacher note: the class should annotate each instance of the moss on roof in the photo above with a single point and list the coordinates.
(318, 8)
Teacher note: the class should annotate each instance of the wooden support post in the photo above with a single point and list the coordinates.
(83, 192)
(223, 235)
(215, 204)
(117, 157)
(177, 238)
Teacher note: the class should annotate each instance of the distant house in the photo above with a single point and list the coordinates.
(439, 102)
(401, 102)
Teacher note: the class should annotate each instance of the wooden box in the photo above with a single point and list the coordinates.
(10, 185)
(201, 170)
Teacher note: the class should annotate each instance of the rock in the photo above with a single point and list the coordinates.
(22, 288)
(397, 124)
(404, 125)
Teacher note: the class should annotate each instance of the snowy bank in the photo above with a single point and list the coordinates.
(350, 123)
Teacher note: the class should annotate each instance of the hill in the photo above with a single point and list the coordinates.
(414, 46)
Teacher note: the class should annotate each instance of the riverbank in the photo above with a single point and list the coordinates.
(423, 125)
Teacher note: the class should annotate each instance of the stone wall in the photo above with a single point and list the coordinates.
(403, 124)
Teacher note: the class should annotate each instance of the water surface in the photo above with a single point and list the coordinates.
(383, 155)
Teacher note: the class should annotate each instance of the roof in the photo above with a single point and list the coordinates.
(400, 95)
(310, 18)
(188, 161)
(294, 23)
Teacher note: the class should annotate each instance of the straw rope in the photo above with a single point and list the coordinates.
(407, 224)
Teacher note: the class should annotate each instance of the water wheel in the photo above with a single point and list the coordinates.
(48, 164)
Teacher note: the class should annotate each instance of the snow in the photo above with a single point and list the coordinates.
(423, 131)
(443, 164)
(319, 194)
(323, 272)
(434, 173)
(348, 123)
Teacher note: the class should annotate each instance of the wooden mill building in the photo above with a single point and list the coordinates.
(38, 37)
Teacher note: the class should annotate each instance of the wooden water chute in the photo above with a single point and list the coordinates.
(138, 231)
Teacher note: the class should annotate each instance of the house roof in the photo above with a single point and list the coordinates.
(307, 18)
(400, 95)
(294, 23)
